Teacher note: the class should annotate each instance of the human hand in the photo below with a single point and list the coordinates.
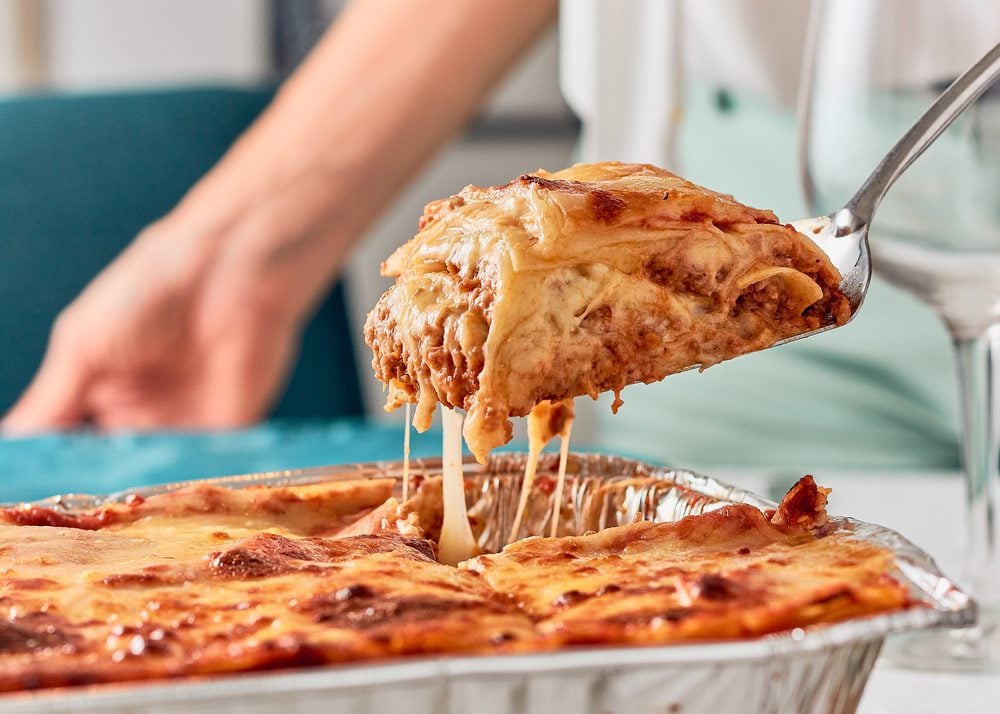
(168, 335)
(196, 326)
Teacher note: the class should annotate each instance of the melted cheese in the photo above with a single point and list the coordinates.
(560, 478)
(536, 442)
(456, 542)
(545, 421)
(406, 454)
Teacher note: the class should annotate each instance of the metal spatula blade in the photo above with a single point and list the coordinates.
(843, 235)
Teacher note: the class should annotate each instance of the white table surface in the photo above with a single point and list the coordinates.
(916, 505)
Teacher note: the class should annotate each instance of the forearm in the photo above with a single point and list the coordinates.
(387, 85)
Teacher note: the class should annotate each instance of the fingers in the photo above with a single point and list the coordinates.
(140, 401)
(53, 400)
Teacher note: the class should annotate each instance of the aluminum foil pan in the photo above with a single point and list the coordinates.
(821, 669)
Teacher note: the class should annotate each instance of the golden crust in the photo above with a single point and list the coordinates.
(730, 573)
(207, 582)
(313, 509)
(581, 281)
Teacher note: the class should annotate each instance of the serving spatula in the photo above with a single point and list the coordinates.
(843, 234)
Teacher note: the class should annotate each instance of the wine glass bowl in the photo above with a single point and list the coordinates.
(871, 69)
(858, 97)
(843, 235)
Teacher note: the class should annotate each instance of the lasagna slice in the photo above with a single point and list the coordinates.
(572, 283)
(731, 573)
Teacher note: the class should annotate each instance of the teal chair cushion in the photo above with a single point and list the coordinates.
(80, 175)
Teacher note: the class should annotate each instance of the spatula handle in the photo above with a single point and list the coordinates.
(962, 92)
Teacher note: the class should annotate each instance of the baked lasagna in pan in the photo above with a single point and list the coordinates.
(208, 580)
(510, 301)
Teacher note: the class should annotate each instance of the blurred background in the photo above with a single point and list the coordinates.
(111, 109)
(215, 64)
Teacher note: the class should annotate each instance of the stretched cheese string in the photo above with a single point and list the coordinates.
(406, 455)
(536, 442)
(560, 478)
(544, 421)
(456, 542)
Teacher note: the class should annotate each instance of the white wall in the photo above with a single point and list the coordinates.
(116, 44)
(533, 86)
(123, 43)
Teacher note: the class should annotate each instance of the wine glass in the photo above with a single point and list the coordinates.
(871, 69)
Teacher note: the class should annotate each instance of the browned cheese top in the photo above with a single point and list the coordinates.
(730, 573)
(207, 580)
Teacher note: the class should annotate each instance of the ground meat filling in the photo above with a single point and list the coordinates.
(444, 354)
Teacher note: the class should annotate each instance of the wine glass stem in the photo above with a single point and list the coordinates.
(978, 361)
